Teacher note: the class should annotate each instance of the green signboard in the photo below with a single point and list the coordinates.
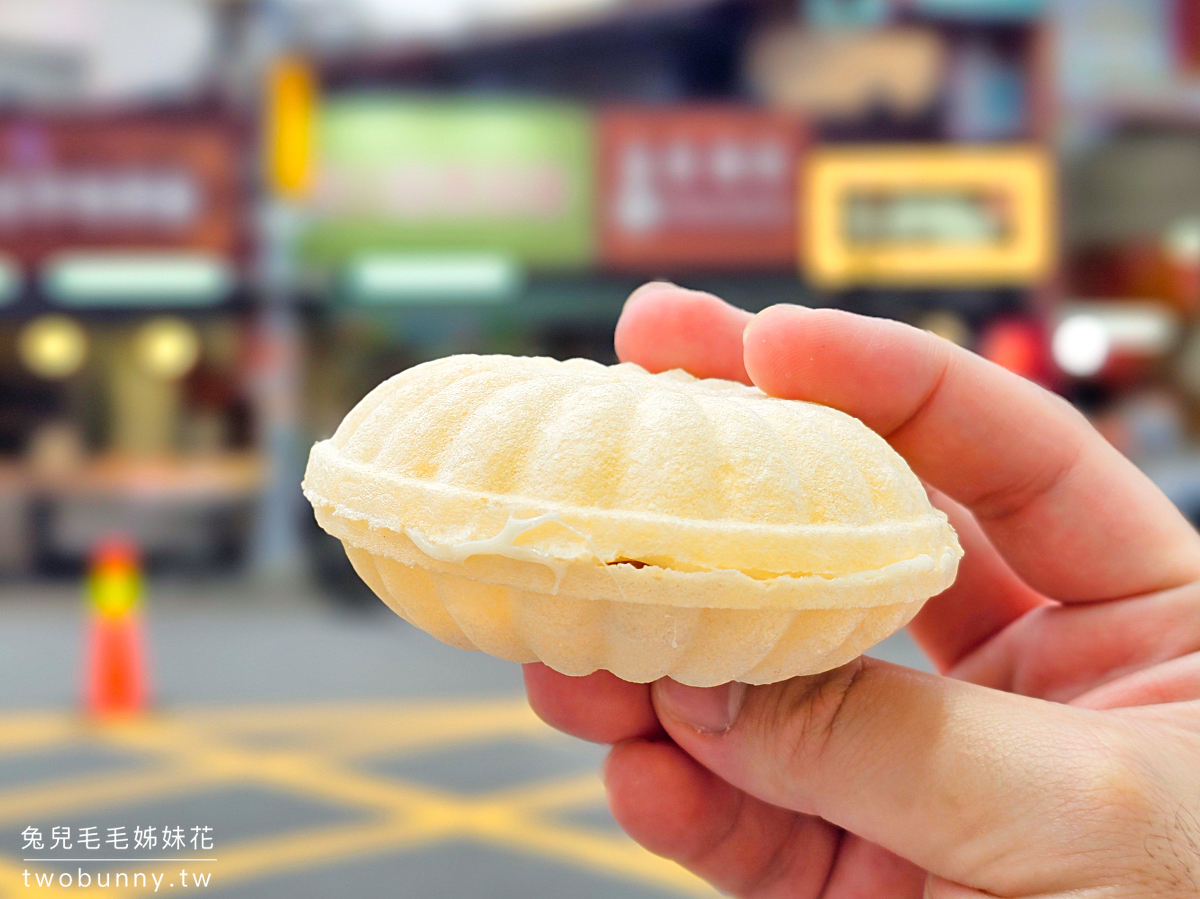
(402, 174)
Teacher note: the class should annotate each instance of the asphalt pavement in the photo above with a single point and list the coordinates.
(330, 752)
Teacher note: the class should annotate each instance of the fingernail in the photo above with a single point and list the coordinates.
(651, 287)
(710, 710)
(763, 313)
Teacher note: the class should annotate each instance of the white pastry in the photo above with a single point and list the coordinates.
(603, 517)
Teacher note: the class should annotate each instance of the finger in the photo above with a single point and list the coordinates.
(598, 707)
(965, 782)
(986, 596)
(663, 319)
(1062, 652)
(675, 808)
(1175, 681)
(937, 888)
(866, 870)
(1074, 518)
(664, 327)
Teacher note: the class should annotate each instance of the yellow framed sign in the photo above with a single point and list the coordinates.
(915, 216)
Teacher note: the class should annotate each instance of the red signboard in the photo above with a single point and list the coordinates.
(706, 187)
(131, 184)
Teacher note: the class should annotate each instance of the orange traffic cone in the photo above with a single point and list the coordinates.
(115, 674)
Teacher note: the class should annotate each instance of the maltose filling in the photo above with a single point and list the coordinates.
(500, 545)
(503, 544)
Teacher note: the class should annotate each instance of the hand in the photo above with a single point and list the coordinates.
(1059, 751)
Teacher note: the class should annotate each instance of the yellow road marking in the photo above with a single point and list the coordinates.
(92, 792)
(311, 751)
(37, 730)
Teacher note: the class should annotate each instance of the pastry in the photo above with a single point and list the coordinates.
(654, 525)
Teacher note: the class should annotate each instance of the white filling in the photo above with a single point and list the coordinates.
(500, 545)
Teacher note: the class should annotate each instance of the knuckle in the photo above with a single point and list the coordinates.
(1143, 817)
(1111, 788)
(1170, 811)
(804, 715)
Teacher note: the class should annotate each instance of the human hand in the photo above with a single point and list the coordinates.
(1058, 753)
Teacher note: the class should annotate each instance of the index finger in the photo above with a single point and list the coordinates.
(663, 326)
(1074, 518)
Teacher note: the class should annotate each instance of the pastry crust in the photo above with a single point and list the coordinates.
(595, 517)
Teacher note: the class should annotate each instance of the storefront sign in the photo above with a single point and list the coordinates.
(409, 175)
(927, 216)
(848, 73)
(101, 184)
(291, 97)
(706, 187)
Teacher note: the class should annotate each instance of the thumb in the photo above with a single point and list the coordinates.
(983, 788)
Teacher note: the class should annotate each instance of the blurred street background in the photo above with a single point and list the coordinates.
(223, 221)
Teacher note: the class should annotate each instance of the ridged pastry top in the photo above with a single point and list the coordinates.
(664, 469)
